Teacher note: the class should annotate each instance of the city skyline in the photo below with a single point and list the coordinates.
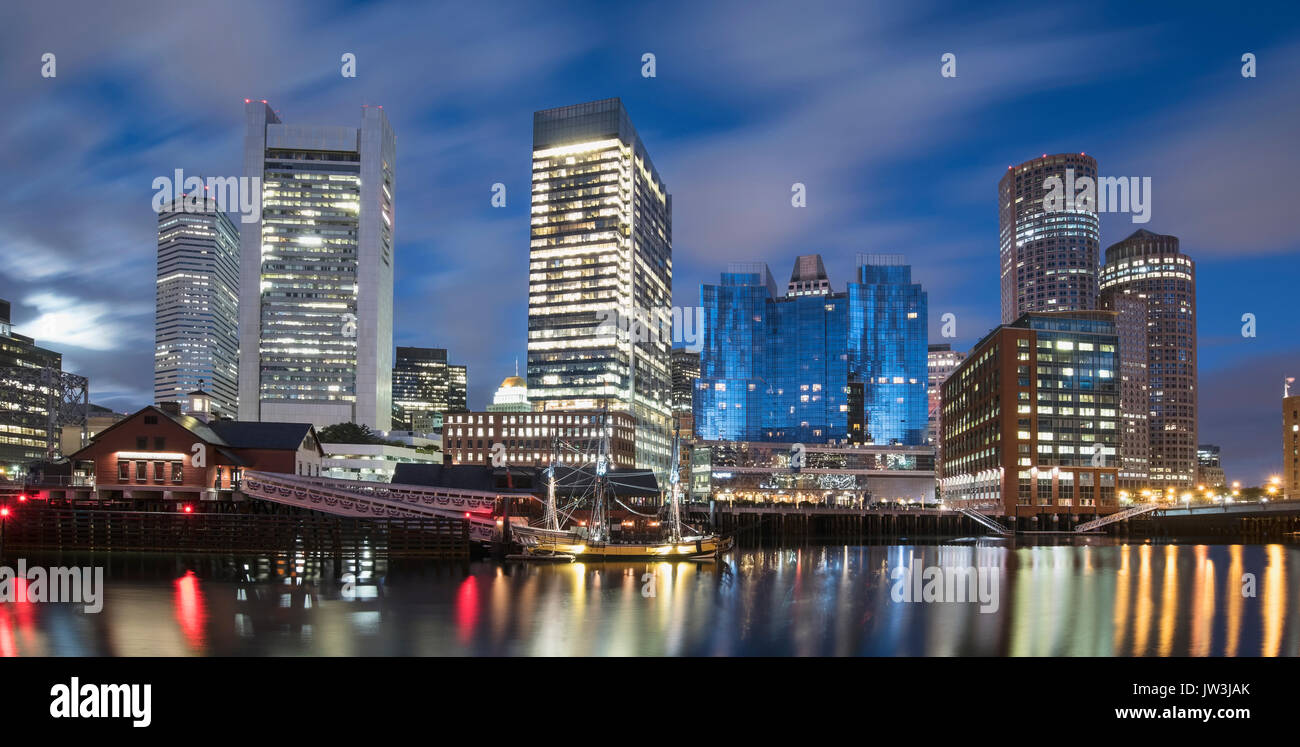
(730, 157)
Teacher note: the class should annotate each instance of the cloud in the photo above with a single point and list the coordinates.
(69, 321)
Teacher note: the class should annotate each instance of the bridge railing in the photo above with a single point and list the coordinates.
(1127, 513)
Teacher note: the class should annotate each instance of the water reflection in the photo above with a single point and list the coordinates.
(1091, 599)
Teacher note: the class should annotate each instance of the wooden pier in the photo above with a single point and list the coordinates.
(58, 528)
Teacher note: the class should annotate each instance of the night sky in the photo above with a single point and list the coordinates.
(749, 98)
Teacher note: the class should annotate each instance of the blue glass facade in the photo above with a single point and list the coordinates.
(888, 342)
(785, 369)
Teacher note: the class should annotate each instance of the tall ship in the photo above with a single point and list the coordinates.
(582, 528)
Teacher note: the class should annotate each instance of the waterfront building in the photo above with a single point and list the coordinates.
(527, 438)
(600, 273)
(1031, 419)
(1048, 258)
(1209, 467)
(196, 309)
(1150, 267)
(845, 475)
(163, 458)
(816, 367)
(686, 371)
(316, 279)
(941, 361)
(1291, 447)
(425, 387)
(25, 425)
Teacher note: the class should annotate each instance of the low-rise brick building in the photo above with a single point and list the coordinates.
(167, 459)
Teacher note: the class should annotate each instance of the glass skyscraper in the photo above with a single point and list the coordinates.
(601, 254)
(196, 315)
(425, 387)
(814, 366)
(316, 279)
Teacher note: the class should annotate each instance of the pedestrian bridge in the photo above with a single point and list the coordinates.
(367, 500)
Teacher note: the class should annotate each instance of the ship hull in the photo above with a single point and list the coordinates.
(694, 547)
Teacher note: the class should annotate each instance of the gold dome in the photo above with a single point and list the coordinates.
(514, 381)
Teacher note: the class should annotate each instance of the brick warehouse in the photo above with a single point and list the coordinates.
(167, 459)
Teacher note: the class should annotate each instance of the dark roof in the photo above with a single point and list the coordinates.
(241, 435)
(225, 434)
(571, 482)
(625, 483)
(465, 477)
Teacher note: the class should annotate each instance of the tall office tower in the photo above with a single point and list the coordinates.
(814, 366)
(1048, 256)
(196, 313)
(1209, 466)
(316, 280)
(601, 255)
(1134, 394)
(1030, 418)
(941, 361)
(24, 401)
(1150, 267)
(686, 370)
(425, 387)
(1291, 446)
(457, 389)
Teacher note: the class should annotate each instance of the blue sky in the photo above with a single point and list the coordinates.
(749, 98)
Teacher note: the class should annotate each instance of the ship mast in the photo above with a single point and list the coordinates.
(600, 511)
(674, 488)
(552, 519)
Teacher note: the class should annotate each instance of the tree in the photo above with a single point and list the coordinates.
(348, 433)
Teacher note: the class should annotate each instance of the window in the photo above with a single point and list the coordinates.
(142, 443)
(159, 470)
(159, 443)
(140, 471)
(123, 471)
(178, 472)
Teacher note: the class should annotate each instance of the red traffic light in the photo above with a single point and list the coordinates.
(188, 509)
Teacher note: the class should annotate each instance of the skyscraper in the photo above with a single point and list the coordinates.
(25, 432)
(1150, 267)
(316, 280)
(814, 365)
(686, 371)
(425, 387)
(601, 255)
(888, 342)
(1049, 258)
(196, 313)
(1134, 394)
